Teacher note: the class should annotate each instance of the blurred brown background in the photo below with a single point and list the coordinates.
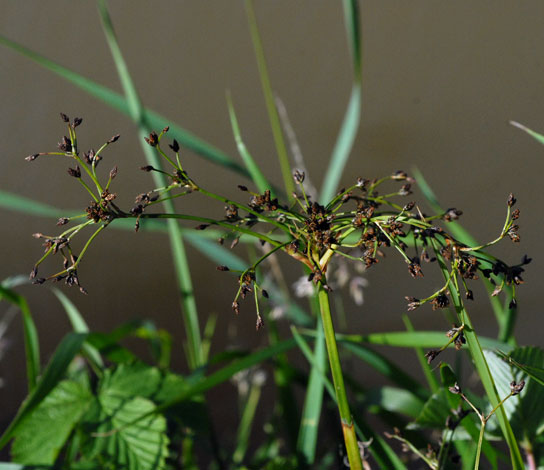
(441, 82)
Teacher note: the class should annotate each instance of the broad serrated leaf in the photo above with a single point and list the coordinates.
(42, 434)
(396, 400)
(536, 373)
(526, 410)
(434, 413)
(129, 442)
(130, 380)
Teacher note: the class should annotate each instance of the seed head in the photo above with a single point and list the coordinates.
(115, 138)
(511, 200)
(440, 301)
(65, 145)
(431, 355)
(298, 176)
(174, 146)
(455, 389)
(452, 214)
(75, 172)
(153, 139)
(32, 157)
(516, 388)
(64, 117)
(399, 175)
(77, 122)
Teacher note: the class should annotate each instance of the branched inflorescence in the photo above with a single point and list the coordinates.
(359, 223)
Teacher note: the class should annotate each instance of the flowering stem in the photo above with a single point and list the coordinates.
(346, 419)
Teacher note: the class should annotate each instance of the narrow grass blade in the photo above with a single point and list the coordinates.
(53, 374)
(425, 367)
(350, 125)
(246, 423)
(380, 449)
(120, 103)
(190, 315)
(535, 135)
(275, 124)
(313, 400)
(32, 346)
(504, 315)
(25, 205)
(79, 325)
(256, 175)
(20, 466)
(411, 339)
(483, 370)
(225, 373)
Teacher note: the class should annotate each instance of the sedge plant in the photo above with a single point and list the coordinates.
(359, 223)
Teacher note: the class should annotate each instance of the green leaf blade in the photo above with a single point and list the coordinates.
(42, 434)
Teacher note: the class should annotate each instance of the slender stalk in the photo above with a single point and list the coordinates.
(346, 419)
(479, 448)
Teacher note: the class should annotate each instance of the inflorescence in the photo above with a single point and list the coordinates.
(359, 223)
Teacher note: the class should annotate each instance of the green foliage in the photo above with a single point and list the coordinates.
(43, 433)
(97, 405)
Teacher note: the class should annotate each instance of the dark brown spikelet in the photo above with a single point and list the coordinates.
(455, 389)
(511, 200)
(32, 157)
(413, 303)
(64, 117)
(65, 144)
(113, 172)
(440, 301)
(174, 146)
(115, 138)
(236, 307)
(147, 168)
(399, 175)
(223, 268)
(63, 221)
(241, 187)
(516, 388)
(431, 355)
(75, 172)
(414, 268)
(77, 122)
(452, 214)
(298, 176)
(153, 139)
(202, 227)
(260, 323)
(513, 233)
